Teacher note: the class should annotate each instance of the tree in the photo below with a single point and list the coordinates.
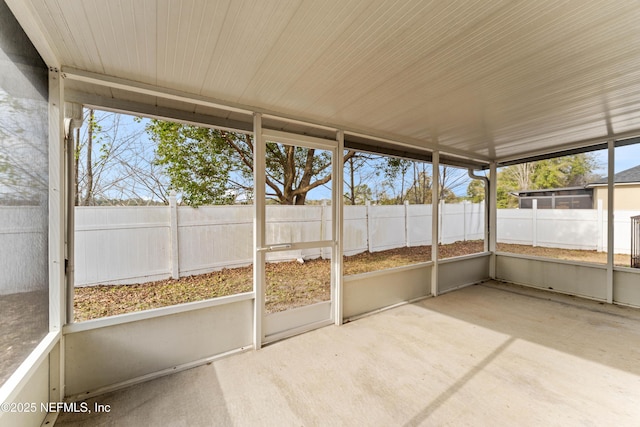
(211, 166)
(475, 191)
(360, 170)
(452, 180)
(114, 162)
(395, 170)
(420, 190)
(360, 195)
(558, 172)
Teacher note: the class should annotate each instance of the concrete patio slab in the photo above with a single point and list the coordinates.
(490, 354)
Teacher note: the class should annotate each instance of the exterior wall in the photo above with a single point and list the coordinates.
(569, 277)
(455, 273)
(625, 286)
(102, 354)
(627, 197)
(367, 292)
(35, 394)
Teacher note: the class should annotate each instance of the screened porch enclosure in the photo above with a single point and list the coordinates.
(476, 87)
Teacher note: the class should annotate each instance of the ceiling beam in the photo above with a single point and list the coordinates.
(583, 146)
(156, 112)
(26, 15)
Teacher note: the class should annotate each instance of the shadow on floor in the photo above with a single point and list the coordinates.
(588, 329)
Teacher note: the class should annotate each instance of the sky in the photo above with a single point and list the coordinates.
(626, 157)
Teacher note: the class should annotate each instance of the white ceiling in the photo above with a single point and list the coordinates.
(486, 79)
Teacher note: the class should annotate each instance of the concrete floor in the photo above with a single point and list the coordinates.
(491, 354)
(23, 324)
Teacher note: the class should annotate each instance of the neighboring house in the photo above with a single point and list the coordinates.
(627, 195)
(556, 198)
(627, 190)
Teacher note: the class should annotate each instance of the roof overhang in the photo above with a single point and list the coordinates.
(477, 81)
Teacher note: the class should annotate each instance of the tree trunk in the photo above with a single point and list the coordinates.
(353, 185)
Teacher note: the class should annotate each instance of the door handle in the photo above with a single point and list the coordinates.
(274, 248)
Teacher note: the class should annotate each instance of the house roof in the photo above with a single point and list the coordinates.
(484, 80)
(631, 175)
(520, 193)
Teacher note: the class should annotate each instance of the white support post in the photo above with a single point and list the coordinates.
(435, 221)
(487, 208)
(57, 191)
(534, 223)
(70, 223)
(259, 234)
(173, 226)
(493, 211)
(407, 237)
(337, 206)
(57, 227)
(610, 219)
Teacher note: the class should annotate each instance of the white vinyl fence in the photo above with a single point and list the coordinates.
(137, 244)
(568, 229)
(23, 234)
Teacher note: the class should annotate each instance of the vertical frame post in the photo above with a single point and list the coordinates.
(70, 159)
(259, 234)
(435, 220)
(610, 218)
(487, 209)
(493, 216)
(337, 211)
(57, 228)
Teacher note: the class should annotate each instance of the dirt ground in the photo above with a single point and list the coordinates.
(289, 284)
(567, 254)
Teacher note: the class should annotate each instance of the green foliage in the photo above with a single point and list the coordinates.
(197, 160)
(559, 172)
(505, 199)
(475, 191)
(210, 166)
(362, 194)
(420, 190)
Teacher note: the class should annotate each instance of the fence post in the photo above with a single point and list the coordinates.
(173, 228)
(534, 222)
(464, 221)
(600, 220)
(323, 226)
(407, 242)
(367, 205)
(440, 222)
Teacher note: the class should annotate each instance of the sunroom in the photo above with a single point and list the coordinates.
(479, 87)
